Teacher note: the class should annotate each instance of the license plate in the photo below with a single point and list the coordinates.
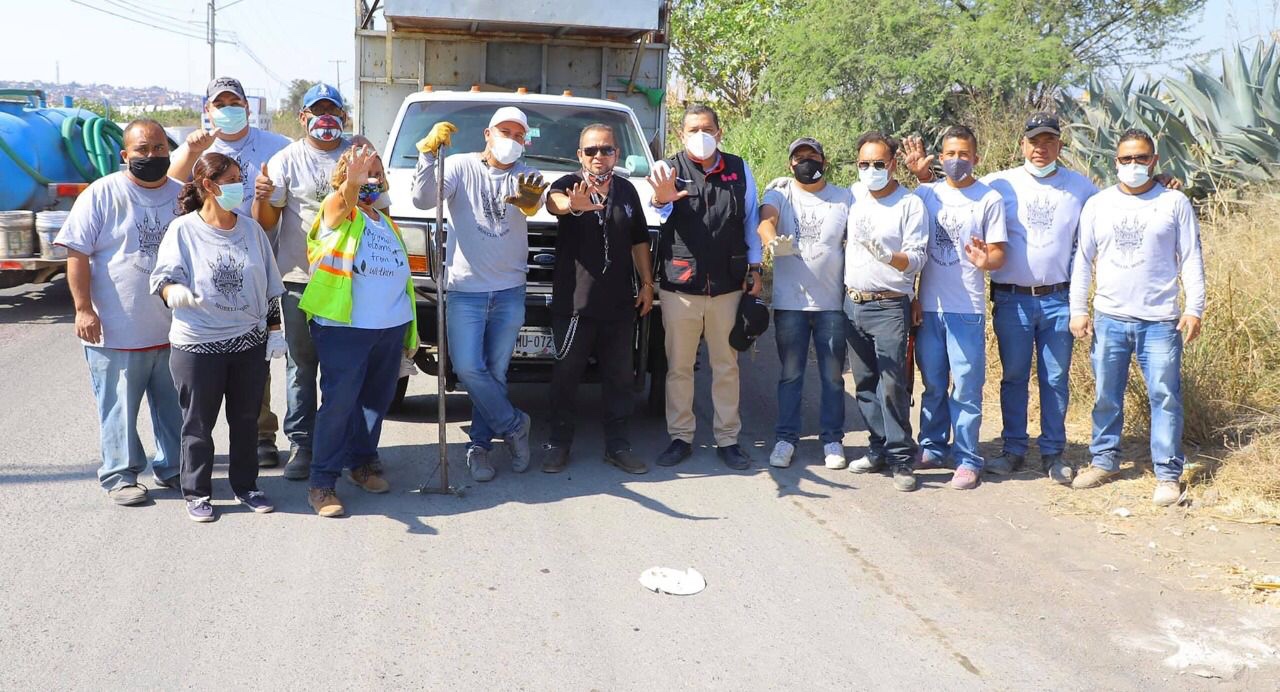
(535, 342)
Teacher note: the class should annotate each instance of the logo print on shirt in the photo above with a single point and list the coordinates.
(228, 280)
(495, 212)
(862, 230)
(947, 227)
(150, 233)
(320, 187)
(1041, 212)
(1127, 234)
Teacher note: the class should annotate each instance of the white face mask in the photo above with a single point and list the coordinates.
(1133, 174)
(505, 151)
(874, 179)
(700, 145)
(1038, 171)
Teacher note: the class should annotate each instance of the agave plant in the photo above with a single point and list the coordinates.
(1211, 132)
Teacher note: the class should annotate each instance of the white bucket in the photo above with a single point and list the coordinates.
(17, 233)
(48, 224)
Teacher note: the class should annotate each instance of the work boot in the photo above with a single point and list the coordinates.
(1166, 493)
(369, 478)
(268, 456)
(478, 464)
(904, 478)
(1091, 477)
(128, 495)
(734, 457)
(1057, 469)
(625, 460)
(676, 452)
(518, 444)
(554, 458)
(325, 502)
(1004, 465)
(298, 468)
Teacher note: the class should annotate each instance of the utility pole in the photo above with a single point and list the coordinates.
(337, 73)
(213, 14)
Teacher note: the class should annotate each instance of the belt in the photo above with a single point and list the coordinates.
(868, 296)
(1030, 290)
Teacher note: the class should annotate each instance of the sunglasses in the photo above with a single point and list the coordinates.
(606, 150)
(878, 165)
(1144, 159)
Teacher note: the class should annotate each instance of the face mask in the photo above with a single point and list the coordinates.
(232, 119)
(1038, 171)
(598, 179)
(957, 169)
(231, 196)
(1133, 174)
(326, 128)
(370, 192)
(874, 179)
(149, 169)
(808, 171)
(700, 145)
(505, 151)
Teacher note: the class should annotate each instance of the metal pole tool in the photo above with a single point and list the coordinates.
(442, 360)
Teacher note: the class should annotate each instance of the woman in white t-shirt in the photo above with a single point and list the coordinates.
(362, 319)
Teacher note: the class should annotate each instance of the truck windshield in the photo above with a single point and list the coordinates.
(553, 132)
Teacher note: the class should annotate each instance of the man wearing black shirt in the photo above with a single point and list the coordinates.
(602, 243)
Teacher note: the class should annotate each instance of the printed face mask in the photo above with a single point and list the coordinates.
(1038, 171)
(700, 145)
(371, 191)
(597, 178)
(505, 151)
(957, 169)
(875, 179)
(326, 128)
(231, 195)
(808, 171)
(232, 119)
(1133, 174)
(149, 169)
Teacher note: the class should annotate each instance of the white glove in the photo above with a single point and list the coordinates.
(778, 184)
(276, 346)
(179, 296)
(782, 246)
(877, 250)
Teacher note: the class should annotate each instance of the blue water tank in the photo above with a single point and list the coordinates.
(35, 136)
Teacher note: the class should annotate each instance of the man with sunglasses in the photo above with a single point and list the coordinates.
(602, 242)
(887, 237)
(1138, 239)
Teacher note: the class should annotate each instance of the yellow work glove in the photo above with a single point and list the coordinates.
(528, 196)
(441, 133)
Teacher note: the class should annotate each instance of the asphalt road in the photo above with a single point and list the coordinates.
(817, 579)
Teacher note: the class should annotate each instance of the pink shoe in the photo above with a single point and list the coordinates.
(965, 478)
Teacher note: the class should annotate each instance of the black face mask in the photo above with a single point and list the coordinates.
(149, 169)
(808, 171)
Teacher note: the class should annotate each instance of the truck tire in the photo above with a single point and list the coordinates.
(398, 402)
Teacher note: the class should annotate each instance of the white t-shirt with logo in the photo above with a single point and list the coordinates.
(896, 220)
(811, 279)
(379, 281)
(1138, 247)
(119, 225)
(949, 282)
(1042, 216)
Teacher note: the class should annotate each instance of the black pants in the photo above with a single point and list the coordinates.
(611, 342)
(203, 381)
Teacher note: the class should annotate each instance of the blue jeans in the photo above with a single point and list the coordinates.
(1040, 326)
(792, 329)
(301, 368)
(120, 378)
(483, 328)
(359, 370)
(1158, 347)
(877, 335)
(951, 349)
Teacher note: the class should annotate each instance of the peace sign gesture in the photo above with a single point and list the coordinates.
(580, 198)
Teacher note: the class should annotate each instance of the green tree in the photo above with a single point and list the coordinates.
(720, 47)
(297, 89)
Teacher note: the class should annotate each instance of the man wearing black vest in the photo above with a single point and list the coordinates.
(708, 254)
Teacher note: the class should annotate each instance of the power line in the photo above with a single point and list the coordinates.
(153, 12)
(138, 21)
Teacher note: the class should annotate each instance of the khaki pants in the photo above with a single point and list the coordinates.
(268, 424)
(687, 319)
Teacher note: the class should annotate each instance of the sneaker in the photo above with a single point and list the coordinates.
(965, 478)
(200, 510)
(268, 456)
(478, 464)
(676, 452)
(734, 457)
(1091, 477)
(554, 458)
(257, 501)
(325, 502)
(369, 478)
(1059, 471)
(904, 478)
(1166, 493)
(627, 461)
(173, 482)
(866, 464)
(128, 495)
(518, 444)
(298, 468)
(781, 456)
(1004, 465)
(929, 462)
(833, 456)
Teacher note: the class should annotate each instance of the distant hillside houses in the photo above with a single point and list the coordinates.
(129, 100)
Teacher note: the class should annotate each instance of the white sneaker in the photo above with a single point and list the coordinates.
(781, 456)
(866, 464)
(833, 456)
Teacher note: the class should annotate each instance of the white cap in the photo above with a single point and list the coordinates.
(509, 114)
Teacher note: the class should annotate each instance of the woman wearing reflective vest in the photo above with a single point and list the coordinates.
(361, 313)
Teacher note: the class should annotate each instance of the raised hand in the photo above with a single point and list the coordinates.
(976, 251)
(915, 158)
(441, 134)
(262, 187)
(663, 182)
(201, 139)
(361, 162)
(580, 198)
(528, 196)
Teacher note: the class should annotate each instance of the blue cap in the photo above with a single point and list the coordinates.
(321, 92)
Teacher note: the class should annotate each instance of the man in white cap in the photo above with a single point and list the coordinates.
(489, 194)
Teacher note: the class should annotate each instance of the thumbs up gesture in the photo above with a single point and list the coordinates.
(262, 187)
(201, 139)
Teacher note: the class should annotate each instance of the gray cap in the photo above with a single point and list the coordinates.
(1040, 123)
(224, 85)
(806, 142)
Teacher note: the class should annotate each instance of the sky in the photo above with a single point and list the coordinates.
(299, 39)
